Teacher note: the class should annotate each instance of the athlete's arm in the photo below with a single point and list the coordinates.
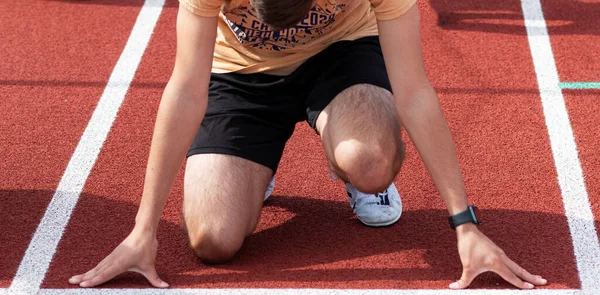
(419, 110)
(180, 113)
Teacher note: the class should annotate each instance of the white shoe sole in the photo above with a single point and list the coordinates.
(382, 224)
(370, 217)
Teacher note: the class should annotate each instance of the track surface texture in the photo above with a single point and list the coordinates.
(63, 62)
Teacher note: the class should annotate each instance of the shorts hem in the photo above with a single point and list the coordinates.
(314, 115)
(231, 152)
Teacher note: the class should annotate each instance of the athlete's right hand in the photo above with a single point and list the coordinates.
(136, 253)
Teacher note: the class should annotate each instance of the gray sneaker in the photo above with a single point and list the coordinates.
(375, 210)
(270, 188)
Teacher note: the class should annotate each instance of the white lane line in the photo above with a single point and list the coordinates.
(564, 149)
(306, 292)
(571, 185)
(39, 254)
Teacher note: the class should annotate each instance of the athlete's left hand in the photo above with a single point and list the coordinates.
(479, 254)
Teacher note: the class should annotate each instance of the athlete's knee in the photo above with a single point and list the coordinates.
(369, 167)
(214, 244)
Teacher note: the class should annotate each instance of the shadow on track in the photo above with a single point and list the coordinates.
(300, 242)
(577, 17)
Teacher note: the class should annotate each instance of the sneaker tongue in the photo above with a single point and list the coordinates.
(367, 199)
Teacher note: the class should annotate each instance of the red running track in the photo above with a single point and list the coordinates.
(576, 45)
(478, 59)
(56, 60)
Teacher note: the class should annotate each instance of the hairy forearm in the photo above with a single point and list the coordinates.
(179, 116)
(418, 106)
(425, 123)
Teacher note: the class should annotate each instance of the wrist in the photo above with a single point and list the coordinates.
(145, 226)
(144, 230)
(468, 216)
(147, 218)
(455, 201)
(462, 206)
(466, 228)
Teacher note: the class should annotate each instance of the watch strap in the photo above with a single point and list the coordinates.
(466, 216)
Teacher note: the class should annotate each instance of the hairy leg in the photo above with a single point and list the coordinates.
(360, 130)
(223, 198)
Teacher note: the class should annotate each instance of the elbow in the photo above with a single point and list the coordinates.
(186, 93)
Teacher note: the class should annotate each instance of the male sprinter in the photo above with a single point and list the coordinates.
(275, 63)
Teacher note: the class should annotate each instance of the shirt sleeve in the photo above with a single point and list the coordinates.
(390, 9)
(206, 8)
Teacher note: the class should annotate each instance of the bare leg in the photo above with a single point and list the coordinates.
(223, 198)
(360, 130)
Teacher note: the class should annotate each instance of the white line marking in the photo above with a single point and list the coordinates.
(305, 292)
(564, 149)
(39, 254)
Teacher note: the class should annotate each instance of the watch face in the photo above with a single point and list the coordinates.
(475, 213)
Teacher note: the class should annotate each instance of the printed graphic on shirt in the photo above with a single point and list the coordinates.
(250, 31)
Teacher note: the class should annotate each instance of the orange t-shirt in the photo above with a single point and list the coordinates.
(245, 45)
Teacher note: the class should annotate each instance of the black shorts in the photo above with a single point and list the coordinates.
(253, 115)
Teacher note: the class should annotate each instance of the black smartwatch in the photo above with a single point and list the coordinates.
(469, 215)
